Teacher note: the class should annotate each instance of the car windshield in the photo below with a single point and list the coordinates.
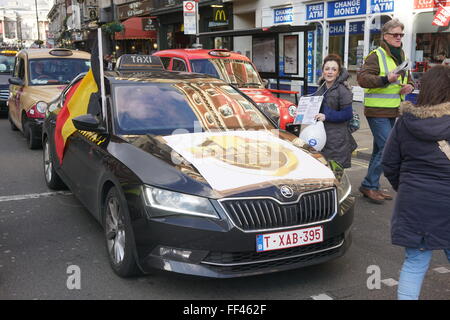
(56, 70)
(6, 64)
(171, 108)
(238, 72)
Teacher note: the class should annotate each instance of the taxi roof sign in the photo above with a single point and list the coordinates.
(138, 62)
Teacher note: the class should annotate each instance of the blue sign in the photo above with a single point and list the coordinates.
(379, 6)
(345, 8)
(338, 29)
(310, 55)
(283, 15)
(315, 11)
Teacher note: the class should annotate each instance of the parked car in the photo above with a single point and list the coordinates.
(235, 69)
(6, 68)
(39, 76)
(186, 174)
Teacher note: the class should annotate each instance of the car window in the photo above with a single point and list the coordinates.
(168, 108)
(6, 64)
(19, 69)
(178, 65)
(56, 70)
(165, 61)
(204, 66)
(238, 72)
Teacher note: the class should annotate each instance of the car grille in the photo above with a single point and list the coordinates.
(261, 214)
(4, 94)
(252, 261)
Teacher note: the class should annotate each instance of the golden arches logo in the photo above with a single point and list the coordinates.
(220, 15)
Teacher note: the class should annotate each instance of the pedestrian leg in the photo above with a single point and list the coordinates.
(412, 274)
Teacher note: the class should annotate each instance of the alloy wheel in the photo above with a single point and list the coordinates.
(115, 231)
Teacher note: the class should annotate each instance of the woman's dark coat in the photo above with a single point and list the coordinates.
(420, 172)
(340, 142)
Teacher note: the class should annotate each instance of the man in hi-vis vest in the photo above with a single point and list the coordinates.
(383, 92)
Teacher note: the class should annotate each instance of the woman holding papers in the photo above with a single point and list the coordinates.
(336, 111)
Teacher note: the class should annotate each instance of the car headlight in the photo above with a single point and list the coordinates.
(41, 106)
(172, 203)
(344, 188)
(292, 110)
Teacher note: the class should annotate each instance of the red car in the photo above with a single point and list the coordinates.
(238, 70)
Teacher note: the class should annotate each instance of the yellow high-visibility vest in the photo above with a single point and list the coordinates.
(387, 97)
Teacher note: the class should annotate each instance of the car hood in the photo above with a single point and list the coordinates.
(44, 93)
(224, 164)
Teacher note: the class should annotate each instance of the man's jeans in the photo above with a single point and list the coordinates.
(413, 271)
(380, 127)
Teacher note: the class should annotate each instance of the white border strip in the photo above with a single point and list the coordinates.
(34, 196)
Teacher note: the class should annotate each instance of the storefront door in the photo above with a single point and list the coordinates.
(354, 47)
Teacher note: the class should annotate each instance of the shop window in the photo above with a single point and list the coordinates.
(375, 31)
(432, 43)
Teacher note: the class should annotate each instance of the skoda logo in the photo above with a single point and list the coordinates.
(286, 192)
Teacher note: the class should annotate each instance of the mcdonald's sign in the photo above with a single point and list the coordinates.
(219, 15)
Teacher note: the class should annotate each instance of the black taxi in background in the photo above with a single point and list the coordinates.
(39, 76)
(6, 68)
(186, 174)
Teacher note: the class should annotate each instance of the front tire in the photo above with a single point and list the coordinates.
(52, 178)
(33, 139)
(119, 237)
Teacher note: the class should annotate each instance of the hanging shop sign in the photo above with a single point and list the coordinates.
(315, 11)
(429, 4)
(381, 6)
(337, 9)
(310, 55)
(442, 17)
(220, 18)
(283, 15)
(346, 8)
(136, 8)
(149, 24)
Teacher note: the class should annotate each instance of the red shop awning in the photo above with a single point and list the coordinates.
(134, 30)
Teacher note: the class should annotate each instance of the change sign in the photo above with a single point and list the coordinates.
(344, 8)
(284, 15)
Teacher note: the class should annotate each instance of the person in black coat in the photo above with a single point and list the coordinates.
(417, 167)
(336, 111)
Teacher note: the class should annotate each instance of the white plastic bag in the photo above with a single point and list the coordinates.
(315, 135)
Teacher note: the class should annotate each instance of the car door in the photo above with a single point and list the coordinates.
(83, 164)
(17, 90)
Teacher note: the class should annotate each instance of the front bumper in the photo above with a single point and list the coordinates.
(219, 249)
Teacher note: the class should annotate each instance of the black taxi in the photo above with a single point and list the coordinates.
(187, 175)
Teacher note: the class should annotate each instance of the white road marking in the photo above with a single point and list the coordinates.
(34, 196)
(390, 282)
(360, 163)
(441, 270)
(322, 296)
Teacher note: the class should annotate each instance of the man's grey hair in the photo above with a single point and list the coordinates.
(391, 24)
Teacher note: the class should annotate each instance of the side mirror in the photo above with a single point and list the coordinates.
(16, 81)
(88, 122)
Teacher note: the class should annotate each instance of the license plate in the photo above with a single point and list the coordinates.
(289, 239)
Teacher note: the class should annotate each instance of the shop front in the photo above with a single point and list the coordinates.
(341, 29)
(431, 38)
(213, 16)
(140, 29)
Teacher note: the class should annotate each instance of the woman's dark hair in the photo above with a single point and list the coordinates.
(333, 57)
(435, 86)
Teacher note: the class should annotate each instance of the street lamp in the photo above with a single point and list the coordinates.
(37, 21)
